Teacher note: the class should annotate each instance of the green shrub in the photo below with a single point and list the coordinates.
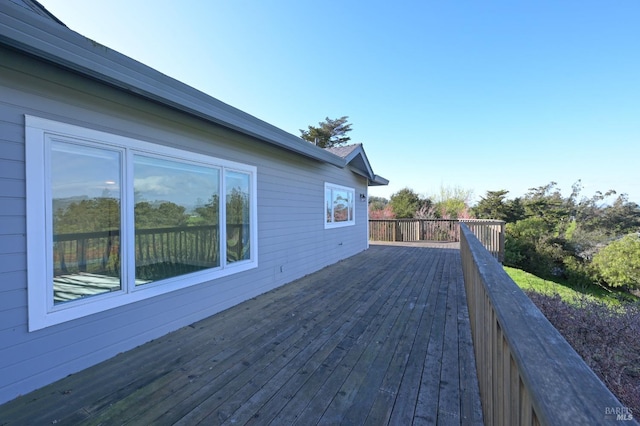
(618, 264)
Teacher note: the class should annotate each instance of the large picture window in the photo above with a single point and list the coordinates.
(339, 205)
(113, 220)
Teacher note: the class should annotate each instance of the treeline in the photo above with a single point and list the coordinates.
(582, 240)
(103, 213)
(449, 203)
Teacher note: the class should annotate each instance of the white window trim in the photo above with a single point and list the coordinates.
(42, 313)
(331, 225)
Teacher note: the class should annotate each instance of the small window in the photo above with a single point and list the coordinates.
(339, 206)
(113, 220)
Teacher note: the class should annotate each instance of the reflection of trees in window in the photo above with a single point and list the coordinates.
(171, 239)
(163, 215)
(340, 206)
(171, 242)
(238, 211)
(89, 215)
(237, 207)
(209, 213)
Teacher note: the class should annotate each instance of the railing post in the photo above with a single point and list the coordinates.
(501, 242)
(82, 255)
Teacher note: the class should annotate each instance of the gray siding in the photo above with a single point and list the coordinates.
(291, 235)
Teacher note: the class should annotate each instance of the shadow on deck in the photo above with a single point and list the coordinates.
(380, 338)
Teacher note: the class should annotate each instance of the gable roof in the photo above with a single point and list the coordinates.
(28, 27)
(356, 158)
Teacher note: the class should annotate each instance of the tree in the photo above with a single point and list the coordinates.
(618, 264)
(405, 203)
(385, 213)
(379, 208)
(377, 203)
(495, 205)
(546, 202)
(622, 217)
(453, 202)
(329, 133)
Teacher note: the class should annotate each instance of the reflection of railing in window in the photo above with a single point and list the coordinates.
(238, 242)
(159, 253)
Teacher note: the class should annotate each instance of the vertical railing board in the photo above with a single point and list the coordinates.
(555, 385)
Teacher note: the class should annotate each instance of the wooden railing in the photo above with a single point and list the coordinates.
(191, 246)
(528, 373)
(489, 232)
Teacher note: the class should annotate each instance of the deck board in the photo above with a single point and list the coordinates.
(379, 338)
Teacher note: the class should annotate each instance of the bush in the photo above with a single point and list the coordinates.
(528, 247)
(577, 272)
(618, 264)
(605, 337)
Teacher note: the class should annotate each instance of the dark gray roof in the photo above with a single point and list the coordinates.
(27, 26)
(355, 157)
(345, 150)
(36, 7)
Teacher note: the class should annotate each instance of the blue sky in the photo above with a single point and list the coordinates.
(479, 95)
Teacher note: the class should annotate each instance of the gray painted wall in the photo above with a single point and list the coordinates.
(291, 234)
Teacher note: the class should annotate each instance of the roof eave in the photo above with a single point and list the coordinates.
(43, 38)
(378, 181)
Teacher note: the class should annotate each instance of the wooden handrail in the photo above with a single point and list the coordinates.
(527, 372)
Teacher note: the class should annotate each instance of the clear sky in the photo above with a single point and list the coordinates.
(479, 95)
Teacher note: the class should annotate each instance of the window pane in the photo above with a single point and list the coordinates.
(237, 210)
(340, 205)
(176, 217)
(85, 194)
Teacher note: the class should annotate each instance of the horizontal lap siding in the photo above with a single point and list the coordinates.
(13, 294)
(291, 234)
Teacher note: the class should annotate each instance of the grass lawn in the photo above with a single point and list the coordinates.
(568, 293)
(598, 324)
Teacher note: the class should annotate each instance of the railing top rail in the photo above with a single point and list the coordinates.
(487, 221)
(564, 390)
(413, 220)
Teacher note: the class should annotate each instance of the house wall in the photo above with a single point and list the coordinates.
(291, 234)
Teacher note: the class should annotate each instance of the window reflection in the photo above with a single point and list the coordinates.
(339, 206)
(176, 217)
(85, 193)
(238, 214)
(328, 202)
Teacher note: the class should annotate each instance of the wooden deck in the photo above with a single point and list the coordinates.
(380, 338)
